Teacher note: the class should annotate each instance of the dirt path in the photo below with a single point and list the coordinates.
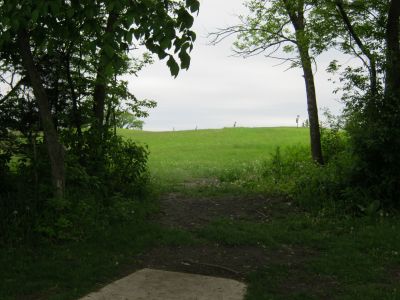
(180, 210)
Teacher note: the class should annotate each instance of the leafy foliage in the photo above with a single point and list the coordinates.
(62, 63)
(281, 29)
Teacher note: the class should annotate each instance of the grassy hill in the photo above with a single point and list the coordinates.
(194, 153)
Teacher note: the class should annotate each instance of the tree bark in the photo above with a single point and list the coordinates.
(312, 107)
(100, 89)
(392, 83)
(296, 15)
(54, 147)
(75, 111)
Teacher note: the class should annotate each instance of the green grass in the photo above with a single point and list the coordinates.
(347, 259)
(67, 271)
(180, 155)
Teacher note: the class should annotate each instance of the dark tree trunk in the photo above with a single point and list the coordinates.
(296, 15)
(392, 83)
(100, 89)
(54, 147)
(75, 111)
(315, 135)
(54, 100)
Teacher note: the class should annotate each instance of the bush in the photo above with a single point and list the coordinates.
(326, 187)
(126, 167)
(334, 143)
(292, 173)
(92, 202)
(374, 132)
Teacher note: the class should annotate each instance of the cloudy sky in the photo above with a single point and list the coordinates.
(219, 89)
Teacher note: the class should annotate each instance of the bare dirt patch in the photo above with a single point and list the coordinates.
(191, 212)
(179, 210)
(218, 260)
(213, 260)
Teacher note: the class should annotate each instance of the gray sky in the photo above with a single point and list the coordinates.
(219, 90)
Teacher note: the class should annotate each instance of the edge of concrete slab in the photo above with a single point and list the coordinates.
(151, 284)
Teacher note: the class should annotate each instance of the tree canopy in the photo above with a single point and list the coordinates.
(66, 58)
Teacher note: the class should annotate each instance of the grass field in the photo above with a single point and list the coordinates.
(179, 155)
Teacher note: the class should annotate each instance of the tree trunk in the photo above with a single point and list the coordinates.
(296, 15)
(54, 147)
(99, 94)
(315, 135)
(392, 83)
(75, 111)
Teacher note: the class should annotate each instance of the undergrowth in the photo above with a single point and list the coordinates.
(332, 188)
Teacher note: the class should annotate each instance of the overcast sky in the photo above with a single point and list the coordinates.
(219, 89)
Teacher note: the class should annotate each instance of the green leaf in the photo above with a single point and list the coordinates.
(55, 6)
(15, 23)
(35, 15)
(129, 37)
(165, 43)
(192, 35)
(89, 12)
(288, 48)
(92, 47)
(109, 50)
(194, 5)
(185, 59)
(178, 44)
(173, 66)
(162, 54)
(70, 12)
(109, 70)
(137, 34)
(129, 17)
(185, 19)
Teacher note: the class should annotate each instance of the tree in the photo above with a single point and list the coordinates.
(83, 45)
(355, 28)
(371, 65)
(369, 30)
(392, 66)
(273, 26)
(54, 146)
(129, 121)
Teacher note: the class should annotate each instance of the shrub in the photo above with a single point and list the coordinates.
(281, 173)
(292, 173)
(334, 143)
(126, 167)
(374, 132)
(92, 202)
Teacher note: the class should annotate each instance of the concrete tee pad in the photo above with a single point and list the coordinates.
(149, 284)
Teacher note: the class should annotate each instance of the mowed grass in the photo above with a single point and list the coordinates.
(179, 155)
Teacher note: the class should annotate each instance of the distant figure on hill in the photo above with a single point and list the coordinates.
(297, 120)
(234, 124)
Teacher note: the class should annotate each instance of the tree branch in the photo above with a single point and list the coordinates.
(13, 90)
(360, 44)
